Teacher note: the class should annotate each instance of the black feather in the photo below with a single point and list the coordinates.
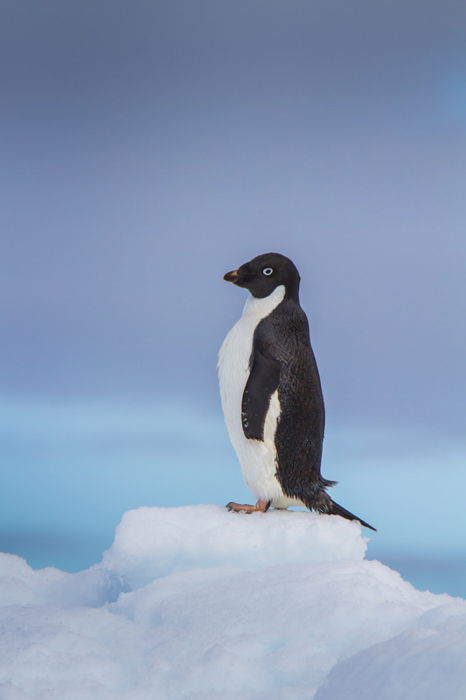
(263, 380)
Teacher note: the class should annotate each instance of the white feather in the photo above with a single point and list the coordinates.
(258, 458)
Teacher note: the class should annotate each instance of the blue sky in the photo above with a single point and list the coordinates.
(149, 147)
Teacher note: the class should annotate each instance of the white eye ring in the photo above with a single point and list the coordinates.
(267, 271)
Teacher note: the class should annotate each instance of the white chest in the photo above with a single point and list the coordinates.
(257, 457)
(235, 353)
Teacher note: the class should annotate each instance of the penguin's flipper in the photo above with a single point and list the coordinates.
(336, 509)
(263, 381)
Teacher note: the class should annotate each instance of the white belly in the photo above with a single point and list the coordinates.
(258, 458)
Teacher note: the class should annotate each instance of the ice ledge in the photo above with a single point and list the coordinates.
(196, 602)
(154, 542)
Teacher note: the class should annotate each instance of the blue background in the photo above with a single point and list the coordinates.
(148, 147)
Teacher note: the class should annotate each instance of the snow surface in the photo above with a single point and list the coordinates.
(196, 602)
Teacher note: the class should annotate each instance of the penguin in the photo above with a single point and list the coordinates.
(271, 393)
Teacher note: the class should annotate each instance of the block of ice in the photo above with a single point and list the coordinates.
(196, 602)
(154, 542)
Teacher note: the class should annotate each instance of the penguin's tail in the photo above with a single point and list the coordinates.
(336, 509)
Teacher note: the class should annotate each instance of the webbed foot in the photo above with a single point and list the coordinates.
(260, 507)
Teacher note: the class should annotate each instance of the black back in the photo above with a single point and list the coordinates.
(282, 358)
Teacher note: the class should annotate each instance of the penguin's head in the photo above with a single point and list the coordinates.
(263, 274)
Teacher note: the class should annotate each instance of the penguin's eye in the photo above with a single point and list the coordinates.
(267, 271)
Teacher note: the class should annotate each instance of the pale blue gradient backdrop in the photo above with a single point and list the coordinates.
(148, 147)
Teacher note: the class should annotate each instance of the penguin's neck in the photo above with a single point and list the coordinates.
(260, 308)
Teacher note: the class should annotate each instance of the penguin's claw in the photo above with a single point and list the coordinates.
(260, 507)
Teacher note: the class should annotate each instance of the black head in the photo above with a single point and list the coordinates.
(265, 273)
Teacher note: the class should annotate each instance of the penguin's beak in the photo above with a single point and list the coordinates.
(231, 276)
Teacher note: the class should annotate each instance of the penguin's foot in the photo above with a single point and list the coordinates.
(260, 507)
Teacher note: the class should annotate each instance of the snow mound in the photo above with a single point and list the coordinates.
(196, 602)
(195, 537)
(424, 661)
